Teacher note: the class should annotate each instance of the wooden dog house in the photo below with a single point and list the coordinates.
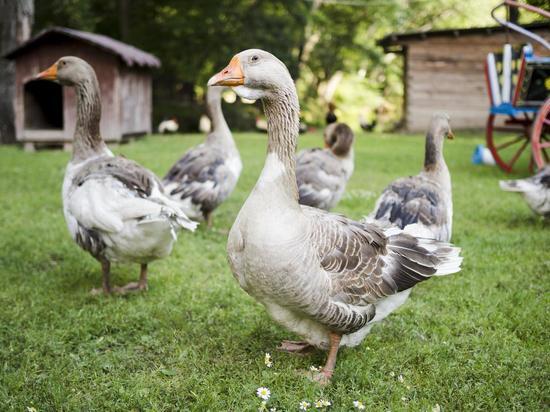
(45, 112)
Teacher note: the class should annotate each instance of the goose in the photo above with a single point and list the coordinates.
(426, 198)
(169, 126)
(207, 174)
(325, 277)
(322, 174)
(114, 208)
(535, 190)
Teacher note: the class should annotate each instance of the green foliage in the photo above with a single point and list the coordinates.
(318, 41)
(473, 341)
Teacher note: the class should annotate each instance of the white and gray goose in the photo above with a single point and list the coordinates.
(207, 174)
(424, 199)
(322, 174)
(321, 275)
(535, 190)
(114, 208)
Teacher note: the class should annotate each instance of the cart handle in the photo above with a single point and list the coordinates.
(518, 28)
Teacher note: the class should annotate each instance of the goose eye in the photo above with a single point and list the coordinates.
(254, 58)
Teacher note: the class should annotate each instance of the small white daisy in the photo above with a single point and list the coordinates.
(358, 405)
(304, 405)
(436, 408)
(272, 409)
(314, 368)
(404, 399)
(392, 374)
(322, 403)
(31, 409)
(400, 378)
(263, 406)
(263, 393)
(267, 360)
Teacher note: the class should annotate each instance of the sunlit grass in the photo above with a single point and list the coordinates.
(473, 341)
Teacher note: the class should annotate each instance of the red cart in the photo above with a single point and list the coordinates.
(519, 89)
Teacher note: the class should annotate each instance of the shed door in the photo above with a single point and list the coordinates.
(43, 105)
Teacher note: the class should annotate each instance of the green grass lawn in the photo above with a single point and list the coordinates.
(477, 340)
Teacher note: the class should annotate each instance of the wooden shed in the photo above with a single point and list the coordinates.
(45, 112)
(444, 70)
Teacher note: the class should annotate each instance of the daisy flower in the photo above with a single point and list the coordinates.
(436, 408)
(263, 406)
(322, 403)
(400, 378)
(358, 405)
(304, 405)
(314, 368)
(267, 360)
(263, 393)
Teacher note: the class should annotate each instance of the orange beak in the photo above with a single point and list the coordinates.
(450, 135)
(48, 74)
(232, 75)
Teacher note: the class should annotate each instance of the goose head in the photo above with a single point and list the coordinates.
(254, 74)
(339, 138)
(69, 71)
(440, 127)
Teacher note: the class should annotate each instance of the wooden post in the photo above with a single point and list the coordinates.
(16, 21)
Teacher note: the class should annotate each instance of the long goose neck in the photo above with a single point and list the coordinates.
(433, 157)
(87, 137)
(283, 119)
(220, 132)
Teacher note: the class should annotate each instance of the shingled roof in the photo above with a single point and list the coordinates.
(397, 39)
(130, 55)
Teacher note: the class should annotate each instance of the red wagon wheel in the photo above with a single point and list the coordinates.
(508, 141)
(540, 138)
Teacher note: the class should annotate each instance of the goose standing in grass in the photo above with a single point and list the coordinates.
(323, 276)
(114, 208)
(323, 173)
(426, 198)
(535, 190)
(207, 174)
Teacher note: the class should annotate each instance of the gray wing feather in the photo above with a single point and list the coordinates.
(367, 265)
(202, 175)
(408, 201)
(134, 176)
(321, 179)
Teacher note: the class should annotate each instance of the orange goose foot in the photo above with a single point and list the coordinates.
(135, 286)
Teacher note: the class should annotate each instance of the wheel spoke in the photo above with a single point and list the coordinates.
(508, 130)
(510, 143)
(518, 153)
(544, 145)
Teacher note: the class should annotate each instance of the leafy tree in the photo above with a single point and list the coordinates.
(328, 45)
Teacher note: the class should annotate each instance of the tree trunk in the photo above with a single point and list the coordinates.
(15, 27)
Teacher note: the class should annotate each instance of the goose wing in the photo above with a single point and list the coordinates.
(108, 191)
(202, 175)
(408, 201)
(321, 179)
(367, 263)
(539, 181)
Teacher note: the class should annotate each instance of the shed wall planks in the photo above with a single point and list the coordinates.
(447, 74)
